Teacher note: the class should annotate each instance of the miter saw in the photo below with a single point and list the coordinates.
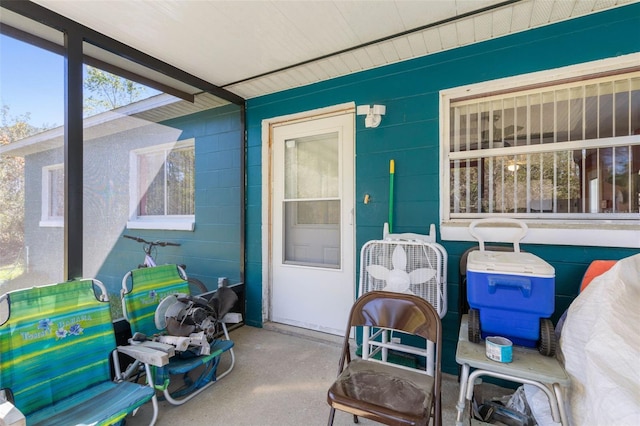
(191, 321)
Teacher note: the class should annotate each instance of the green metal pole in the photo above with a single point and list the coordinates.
(392, 172)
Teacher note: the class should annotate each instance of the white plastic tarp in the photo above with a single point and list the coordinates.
(600, 342)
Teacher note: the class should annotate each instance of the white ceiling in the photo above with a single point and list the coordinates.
(244, 46)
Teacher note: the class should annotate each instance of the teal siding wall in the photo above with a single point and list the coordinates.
(213, 249)
(409, 134)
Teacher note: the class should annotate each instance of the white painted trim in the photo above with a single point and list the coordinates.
(164, 224)
(550, 147)
(600, 235)
(133, 185)
(267, 125)
(53, 138)
(562, 73)
(45, 219)
(266, 215)
(51, 223)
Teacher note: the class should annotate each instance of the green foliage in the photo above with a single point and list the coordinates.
(108, 91)
(12, 184)
(11, 272)
(116, 306)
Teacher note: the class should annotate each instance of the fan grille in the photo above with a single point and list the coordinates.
(419, 255)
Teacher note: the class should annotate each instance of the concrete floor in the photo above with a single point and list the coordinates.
(281, 377)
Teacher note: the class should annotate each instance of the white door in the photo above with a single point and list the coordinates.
(312, 245)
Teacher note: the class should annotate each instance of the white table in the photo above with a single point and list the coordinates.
(528, 367)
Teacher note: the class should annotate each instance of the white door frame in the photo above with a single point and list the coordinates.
(267, 189)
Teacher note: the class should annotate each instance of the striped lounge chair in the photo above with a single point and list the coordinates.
(55, 345)
(142, 290)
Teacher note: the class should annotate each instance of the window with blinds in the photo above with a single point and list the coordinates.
(569, 150)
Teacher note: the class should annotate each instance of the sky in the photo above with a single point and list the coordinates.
(31, 81)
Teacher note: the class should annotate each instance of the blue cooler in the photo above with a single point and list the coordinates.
(512, 291)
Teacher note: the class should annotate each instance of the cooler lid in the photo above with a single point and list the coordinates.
(509, 263)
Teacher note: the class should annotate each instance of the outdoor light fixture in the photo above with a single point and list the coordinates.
(373, 114)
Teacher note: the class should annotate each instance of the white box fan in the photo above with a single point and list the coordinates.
(406, 263)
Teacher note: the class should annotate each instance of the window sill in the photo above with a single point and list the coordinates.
(597, 234)
(166, 225)
(51, 223)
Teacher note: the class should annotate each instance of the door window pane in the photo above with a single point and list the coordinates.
(312, 233)
(312, 204)
(312, 167)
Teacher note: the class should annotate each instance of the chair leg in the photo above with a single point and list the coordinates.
(355, 419)
(332, 413)
(437, 412)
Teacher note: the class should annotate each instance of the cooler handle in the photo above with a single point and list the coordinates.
(514, 224)
(524, 284)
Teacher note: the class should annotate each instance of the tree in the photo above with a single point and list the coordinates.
(12, 183)
(105, 92)
(108, 91)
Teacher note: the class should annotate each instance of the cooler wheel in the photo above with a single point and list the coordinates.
(547, 345)
(474, 325)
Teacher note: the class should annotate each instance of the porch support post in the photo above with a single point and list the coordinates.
(73, 155)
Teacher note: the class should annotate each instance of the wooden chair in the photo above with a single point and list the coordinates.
(377, 388)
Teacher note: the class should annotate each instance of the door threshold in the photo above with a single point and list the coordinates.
(304, 333)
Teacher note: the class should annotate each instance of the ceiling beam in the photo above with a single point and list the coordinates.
(49, 18)
(97, 63)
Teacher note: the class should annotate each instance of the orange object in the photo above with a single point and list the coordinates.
(597, 267)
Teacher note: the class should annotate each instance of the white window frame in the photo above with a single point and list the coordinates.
(46, 220)
(165, 222)
(559, 229)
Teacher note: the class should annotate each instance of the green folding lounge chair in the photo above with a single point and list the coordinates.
(55, 346)
(142, 290)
